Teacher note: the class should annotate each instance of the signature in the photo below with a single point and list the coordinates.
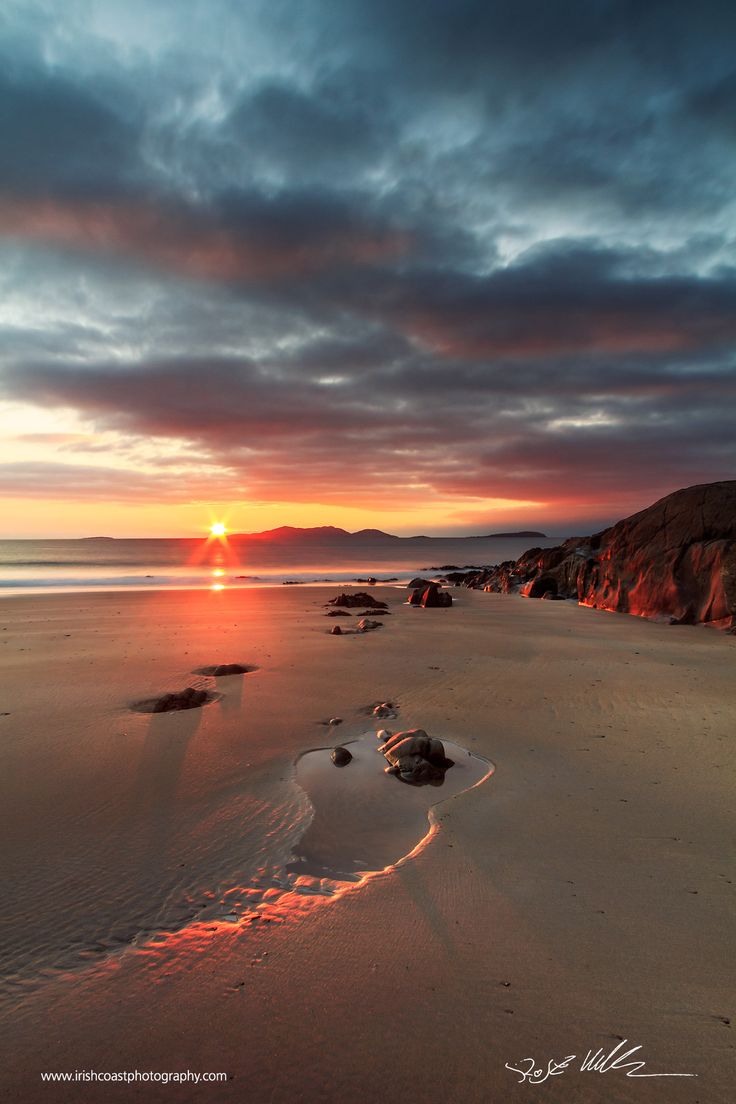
(598, 1061)
(535, 1075)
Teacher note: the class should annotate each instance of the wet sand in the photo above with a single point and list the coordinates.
(365, 821)
(582, 894)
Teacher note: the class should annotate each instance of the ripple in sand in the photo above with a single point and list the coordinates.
(261, 861)
(365, 820)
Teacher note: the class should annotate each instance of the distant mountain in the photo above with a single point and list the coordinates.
(374, 534)
(320, 534)
(519, 533)
(331, 534)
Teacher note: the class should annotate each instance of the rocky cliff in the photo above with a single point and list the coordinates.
(674, 560)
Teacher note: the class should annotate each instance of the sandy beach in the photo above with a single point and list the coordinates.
(581, 895)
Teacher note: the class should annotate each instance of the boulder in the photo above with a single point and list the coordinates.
(431, 597)
(170, 703)
(434, 598)
(539, 587)
(358, 598)
(675, 561)
(458, 577)
(340, 756)
(335, 631)
(418, 583)
(220, 670)
(415, 757)
(366, 625)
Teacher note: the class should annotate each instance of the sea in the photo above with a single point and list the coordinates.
(105, 563)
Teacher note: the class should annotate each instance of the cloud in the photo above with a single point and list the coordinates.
(329, 425)
(302, 132)
(87, 483)
(348, 252)
(566, 299)
(60, 137)
(246, 238)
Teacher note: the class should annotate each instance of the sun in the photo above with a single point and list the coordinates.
(218, 529)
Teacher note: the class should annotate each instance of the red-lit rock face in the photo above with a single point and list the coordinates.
(675, 559)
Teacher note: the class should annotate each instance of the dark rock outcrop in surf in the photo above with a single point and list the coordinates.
(675, 559)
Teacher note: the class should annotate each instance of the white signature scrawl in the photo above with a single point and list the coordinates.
(594, 1062)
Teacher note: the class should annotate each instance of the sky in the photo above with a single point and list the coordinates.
(441, 266)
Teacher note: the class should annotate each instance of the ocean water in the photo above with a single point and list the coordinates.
(107, 564)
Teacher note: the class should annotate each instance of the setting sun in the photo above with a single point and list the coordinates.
(218, 529)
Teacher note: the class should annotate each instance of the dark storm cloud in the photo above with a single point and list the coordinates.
(712, 105)
(524, 48)
(566, 299)
(462, 429)
(478, 248)
(305, 132)
(58, 137)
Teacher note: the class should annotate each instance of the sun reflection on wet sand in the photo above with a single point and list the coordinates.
(390, 816)
(366, 811)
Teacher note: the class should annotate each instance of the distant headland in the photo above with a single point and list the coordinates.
(331, 534)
